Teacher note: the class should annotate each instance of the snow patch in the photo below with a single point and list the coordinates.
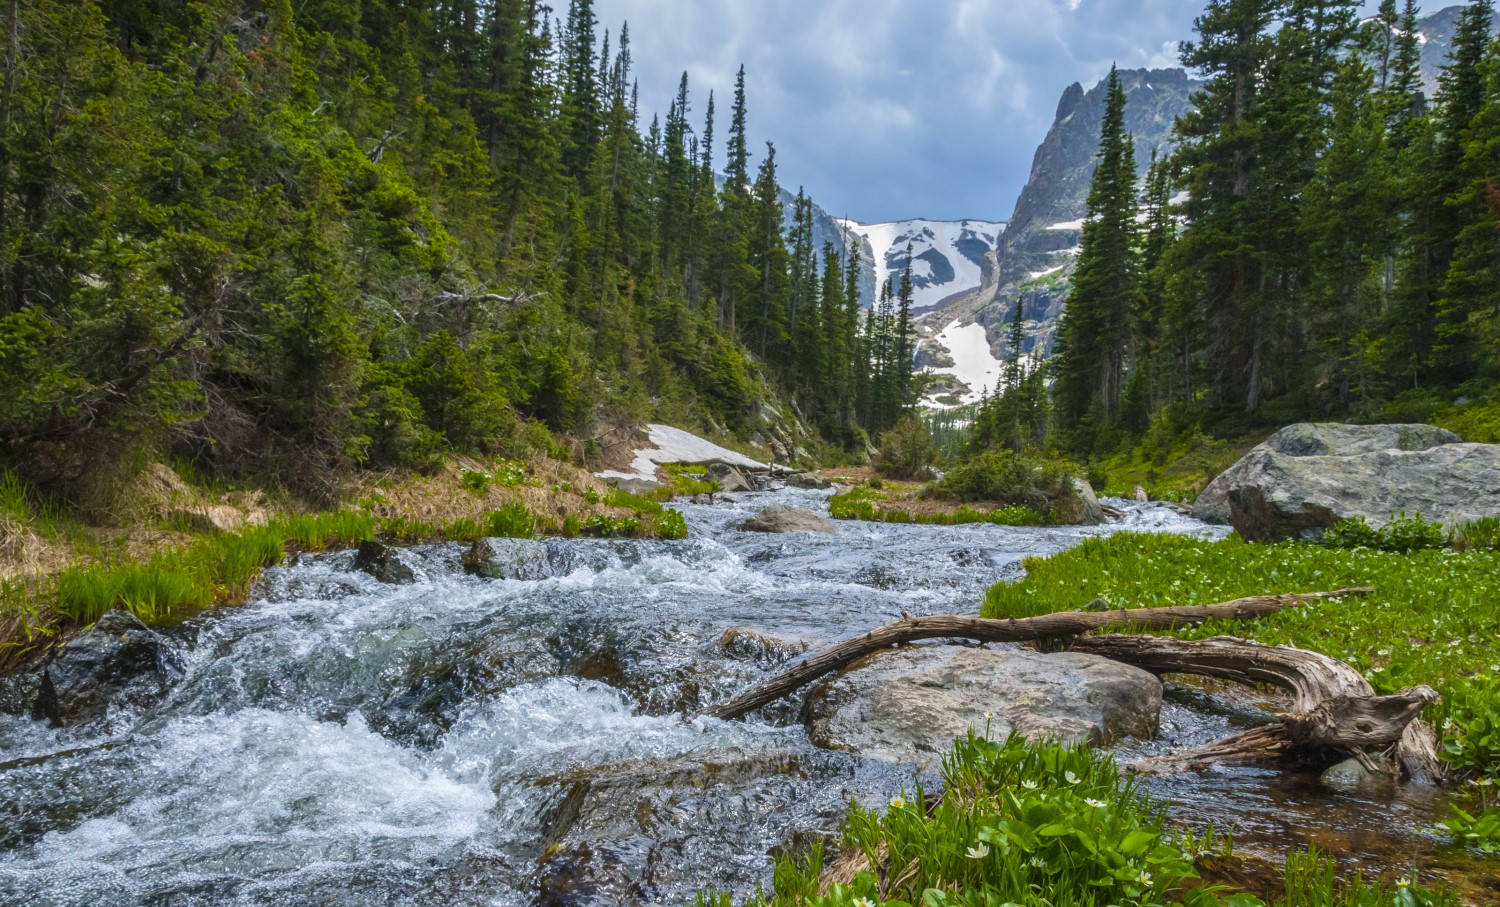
(974, 363)
(673, 445)
(1068, 225)
(944, 238)
(1038, 275)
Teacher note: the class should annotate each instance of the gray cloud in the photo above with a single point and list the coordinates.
(886, 109)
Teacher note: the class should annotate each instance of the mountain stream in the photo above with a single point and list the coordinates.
(462, 741)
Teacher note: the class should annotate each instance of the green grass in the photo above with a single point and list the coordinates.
(1040, 825)
(865, 503)
(1433, 619)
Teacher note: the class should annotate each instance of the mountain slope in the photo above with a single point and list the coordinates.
(1034, 255)
(948, 257)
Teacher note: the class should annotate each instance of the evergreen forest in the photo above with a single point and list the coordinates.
(283, 240)
(1320, 242)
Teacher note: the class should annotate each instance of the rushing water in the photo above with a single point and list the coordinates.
(463, 741)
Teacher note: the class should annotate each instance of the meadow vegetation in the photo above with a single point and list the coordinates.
(1432, 618)
(1023, 824)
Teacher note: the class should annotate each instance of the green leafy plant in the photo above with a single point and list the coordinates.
(1403, 533)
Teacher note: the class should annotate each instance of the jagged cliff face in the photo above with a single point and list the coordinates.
(1035, 254)
(1034, 259)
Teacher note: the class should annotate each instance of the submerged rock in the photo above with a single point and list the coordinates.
(384, 563)
(909, 705)
(523, 559)
(785, 518)
(616, 833)
(119, 661)
(744, 642)
(1350, 773)
(1308, 477)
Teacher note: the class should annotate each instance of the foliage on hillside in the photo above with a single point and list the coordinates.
(287, 239)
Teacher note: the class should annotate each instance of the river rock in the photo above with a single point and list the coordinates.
(384, 563)
(118, 661)
(729, 478)
(1349, 773)
(618, 834)
(1092, 514)
(1306, 478)
(808, 480)
(523, 559)
(908, 705)
(786, 518)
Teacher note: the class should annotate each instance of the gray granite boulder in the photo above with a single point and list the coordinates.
(909, 705)
(1308, 477)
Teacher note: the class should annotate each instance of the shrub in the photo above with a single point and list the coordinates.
(1478, 535)
(1002, 477)
(1402, 534)
(907, 451)
(476, 481)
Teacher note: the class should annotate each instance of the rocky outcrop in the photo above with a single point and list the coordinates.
(908, 705)
(729, 478)
(117, 662)
(785, 518)
(522, 559)
(1307, 477)
(384, 563)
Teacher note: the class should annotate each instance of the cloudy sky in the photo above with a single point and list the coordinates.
(890, 109)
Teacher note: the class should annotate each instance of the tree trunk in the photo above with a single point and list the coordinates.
(1047, 626)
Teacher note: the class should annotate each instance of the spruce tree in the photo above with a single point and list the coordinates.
(1095, 343)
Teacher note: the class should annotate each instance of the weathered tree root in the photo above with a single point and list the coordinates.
(1334, 710)
(1047, 626)
(1333, 707)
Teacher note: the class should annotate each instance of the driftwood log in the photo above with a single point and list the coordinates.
(1333, 709)
(1028, 629)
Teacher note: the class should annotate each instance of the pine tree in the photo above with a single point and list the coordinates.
(1095, 336)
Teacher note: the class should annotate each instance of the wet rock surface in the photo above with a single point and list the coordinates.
(786, 518)
(117, 662)
(909, 705)
(521, 559)
(384, 563)
(1309, 475)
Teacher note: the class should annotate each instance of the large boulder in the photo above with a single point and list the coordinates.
(118, 661)
(1306, 478)
(522, 559)
(786, 518)
(908, 705)
(729, 478)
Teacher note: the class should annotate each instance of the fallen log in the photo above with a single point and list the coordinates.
(1029, 629)
(1333, 707)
